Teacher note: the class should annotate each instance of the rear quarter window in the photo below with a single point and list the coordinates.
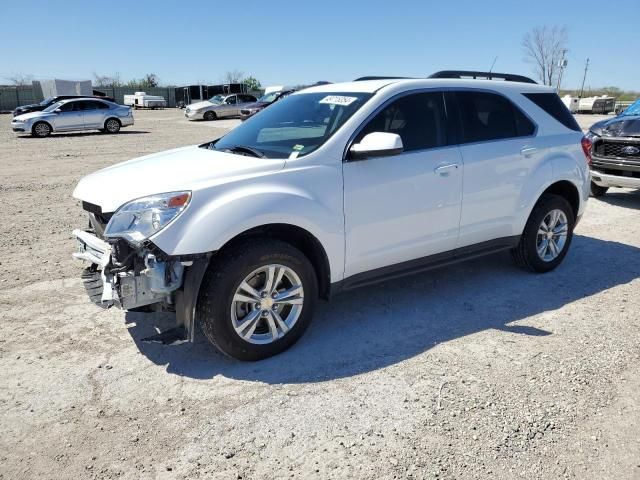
(551, 103)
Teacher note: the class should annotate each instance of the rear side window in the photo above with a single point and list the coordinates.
(418, 118)
(488, 116)
(551, 103)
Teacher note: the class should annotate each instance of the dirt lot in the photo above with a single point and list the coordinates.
(480, 370)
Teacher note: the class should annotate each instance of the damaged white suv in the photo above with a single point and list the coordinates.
(335, 187)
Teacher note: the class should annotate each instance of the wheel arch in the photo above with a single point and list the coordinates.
(42, 121)
(567, 190)
(299, 238)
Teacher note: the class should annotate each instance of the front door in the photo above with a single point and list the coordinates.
(406, 206)
(70, 117)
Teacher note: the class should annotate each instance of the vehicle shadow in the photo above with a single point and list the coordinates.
(86, 134)
(374, 327)
(625, 199)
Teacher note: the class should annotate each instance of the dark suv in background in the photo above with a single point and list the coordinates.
(615, 153)
(38, 107)
(263, 102)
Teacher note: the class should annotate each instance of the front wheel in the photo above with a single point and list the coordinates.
(257, 299)
(547, 235)
(597, 190)
(208, 116)
(41, 130)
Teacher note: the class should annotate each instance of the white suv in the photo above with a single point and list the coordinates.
(334, 187)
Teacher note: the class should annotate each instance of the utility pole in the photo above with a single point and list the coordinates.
(562, 64)
(586, 67)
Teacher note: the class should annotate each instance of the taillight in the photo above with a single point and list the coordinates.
(587, 145)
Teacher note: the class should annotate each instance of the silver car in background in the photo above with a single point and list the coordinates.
(74, 115)
(219, 106)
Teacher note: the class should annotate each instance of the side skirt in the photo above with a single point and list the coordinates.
(424, 264)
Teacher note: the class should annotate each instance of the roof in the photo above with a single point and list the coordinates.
(371, 86)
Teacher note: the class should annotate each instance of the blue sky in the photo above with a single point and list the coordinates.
(293, 42)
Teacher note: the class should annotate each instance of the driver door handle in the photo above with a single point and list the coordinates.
(528, 151)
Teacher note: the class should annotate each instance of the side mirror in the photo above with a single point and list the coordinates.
(376, 144)
(57, 110)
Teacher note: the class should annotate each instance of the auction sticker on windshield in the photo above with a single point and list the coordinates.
(338, 100)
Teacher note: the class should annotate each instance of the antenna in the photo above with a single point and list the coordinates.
(493, 64)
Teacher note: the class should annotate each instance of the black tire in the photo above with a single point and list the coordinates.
(597, 190)
(526, 253)
(112, 125)
(41, 129)
(223, 277)
(208, 116)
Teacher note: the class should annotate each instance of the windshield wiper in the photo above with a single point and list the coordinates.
(244, 149)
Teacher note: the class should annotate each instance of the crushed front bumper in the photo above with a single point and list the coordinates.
(144, 277)
(148, 280)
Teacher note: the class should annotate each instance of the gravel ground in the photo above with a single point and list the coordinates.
(479, 370)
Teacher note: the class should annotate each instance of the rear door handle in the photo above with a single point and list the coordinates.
(528, 151)
(444, 170)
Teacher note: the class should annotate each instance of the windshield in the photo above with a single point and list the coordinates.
(52, 107)
(217, 99)
(633, 109)
(47, 101)
(269, 97)
(298, 124)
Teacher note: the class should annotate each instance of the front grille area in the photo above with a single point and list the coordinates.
(608, 149)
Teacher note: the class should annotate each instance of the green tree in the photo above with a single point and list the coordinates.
(252, 83)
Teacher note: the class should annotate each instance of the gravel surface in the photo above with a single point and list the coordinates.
(477, 371)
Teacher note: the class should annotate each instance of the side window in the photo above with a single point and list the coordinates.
(231, 100)
(489, 116)
(69, 107)
(89, 105)
(102, 106)
(419, 119)
(551, 103)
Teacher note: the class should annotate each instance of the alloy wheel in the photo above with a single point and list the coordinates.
(267, 304)
(552, 235)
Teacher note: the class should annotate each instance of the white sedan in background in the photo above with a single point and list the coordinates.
(218, 106)
(74, 115)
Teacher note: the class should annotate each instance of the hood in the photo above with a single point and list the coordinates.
(199, 105)
(30, 107)
(187, 168)
(621, 126)
(255, 105)
(27, 116)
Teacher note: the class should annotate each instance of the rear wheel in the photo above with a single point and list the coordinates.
(41, 130)
(112, 125)
(547, 235)
(257, 299)
(210, 116)
(597, 190)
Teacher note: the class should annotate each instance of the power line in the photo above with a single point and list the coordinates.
(586, 67)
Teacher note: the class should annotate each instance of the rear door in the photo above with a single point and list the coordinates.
(70, 117)
(94, 113)
(500, 151)
(406, 206)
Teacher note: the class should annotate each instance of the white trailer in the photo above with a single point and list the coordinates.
(572, 103)
(601, 105)
(142, 100)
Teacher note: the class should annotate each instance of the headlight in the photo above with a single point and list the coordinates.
(592, 136)
(141, 218)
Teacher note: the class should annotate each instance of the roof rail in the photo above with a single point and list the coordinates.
(481, 75)
(374, 77)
